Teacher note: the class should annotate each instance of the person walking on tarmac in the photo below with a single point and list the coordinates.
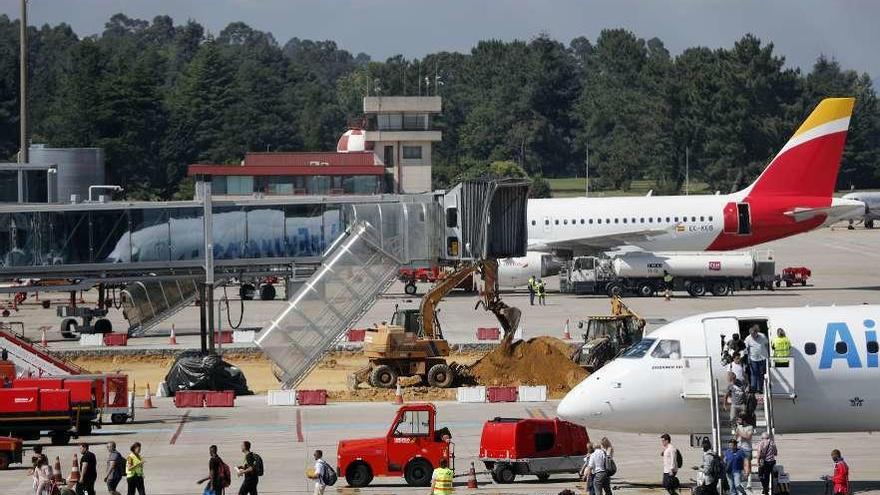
(88, 470)
(251, 472)
(134, 471)
(667, 284)
(115, 468)
(781, 346)
(542, 292)
(671, 464)
(710, 469)
(767, 453)
(215, 479)
(531, 290)
(441, 479)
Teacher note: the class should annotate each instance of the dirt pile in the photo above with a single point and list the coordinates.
(538, 361)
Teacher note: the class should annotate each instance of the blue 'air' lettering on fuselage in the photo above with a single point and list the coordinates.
(838, 332)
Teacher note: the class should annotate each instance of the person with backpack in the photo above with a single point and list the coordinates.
(734, 458)
(321, 472)
(219, 476)
(712, 470)
(767, 453)
(672, 462)
(251, 469)
(597, 468)
(541, 289)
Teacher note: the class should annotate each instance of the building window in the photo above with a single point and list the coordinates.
(415, 122)
(218, 185)
(389, 121)
(240, 185)
(412, 152)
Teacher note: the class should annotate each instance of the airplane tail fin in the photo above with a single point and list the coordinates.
(808, 163)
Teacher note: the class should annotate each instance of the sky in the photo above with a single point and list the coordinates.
(846, 30)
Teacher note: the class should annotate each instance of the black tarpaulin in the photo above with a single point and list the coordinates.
(194, 371)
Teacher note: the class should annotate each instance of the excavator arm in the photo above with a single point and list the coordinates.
(436, 294)
(507, 316)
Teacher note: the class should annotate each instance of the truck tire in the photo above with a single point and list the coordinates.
(358, 474)
(410, 288)
(68, 327)
(697, 289)
(118, 418)
(383, 376)
(60, 437)
(5, 461)
(103, 325)
(418, 472)
(246, 292)
(84, 428)
(267, 292)
(542, 477)
(646, 290)
(613, 289)
(504, 473)
(721, 289)
(441, 376)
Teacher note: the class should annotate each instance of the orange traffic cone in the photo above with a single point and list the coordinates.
(148, 399)
(398, 394)
(172, 340)
(74, 470)
(472, 477)
(566, 333)
(56, 476)
(43, 341)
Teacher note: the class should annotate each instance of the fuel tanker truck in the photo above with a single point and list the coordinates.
(643, 274)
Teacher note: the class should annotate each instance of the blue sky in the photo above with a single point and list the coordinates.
(846, 30)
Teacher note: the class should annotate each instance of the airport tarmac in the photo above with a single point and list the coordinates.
(175, 447)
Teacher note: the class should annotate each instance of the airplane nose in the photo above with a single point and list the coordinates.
(579, 405)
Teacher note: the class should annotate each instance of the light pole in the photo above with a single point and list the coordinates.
(587, 173)
(23, 150)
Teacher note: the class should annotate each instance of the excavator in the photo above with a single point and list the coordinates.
(412, 344)
(607, 336)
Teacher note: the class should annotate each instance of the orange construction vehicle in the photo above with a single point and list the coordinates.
(412, 448)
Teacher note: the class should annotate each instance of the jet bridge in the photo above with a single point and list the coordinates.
(480, 219)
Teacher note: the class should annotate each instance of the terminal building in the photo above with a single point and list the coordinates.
(389, 151)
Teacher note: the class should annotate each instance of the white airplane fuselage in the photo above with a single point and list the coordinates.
(831, 383)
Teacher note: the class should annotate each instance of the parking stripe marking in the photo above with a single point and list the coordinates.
(299, 429)
(179, 427)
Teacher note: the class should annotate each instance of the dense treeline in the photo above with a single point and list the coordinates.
(158, 96)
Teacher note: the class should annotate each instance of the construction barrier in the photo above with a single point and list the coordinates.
(532, 393)
(243, 336)
(501, 394)
(471, 394)
(115, 339)
(225, 398)
(94, 339)
(189, 398)
(223, 337)
(311, 397)
(282, 397)
(356, 334)
(484, 333)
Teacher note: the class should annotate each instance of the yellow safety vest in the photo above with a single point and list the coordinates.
(442, 481)
(781, 349)
(134, 466)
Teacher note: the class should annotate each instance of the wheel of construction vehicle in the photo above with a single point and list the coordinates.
(542, 477)
(5, 461)
(103, 325)
(697, 289)
(721, 289)
(358, 474)
(68, 327)
(60, 438)
(267, 292)
(504, 473)
(614, 289)
(410, 289)
(118, 418)
(646, 290)
(441, 376)
(418, 473)
(383, 376)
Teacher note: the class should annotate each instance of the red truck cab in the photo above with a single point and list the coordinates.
(539, 447)
(412, 448)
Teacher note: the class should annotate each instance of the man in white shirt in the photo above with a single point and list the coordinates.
(670, 465)
(320, 467)
(758, 349)
(596, 467)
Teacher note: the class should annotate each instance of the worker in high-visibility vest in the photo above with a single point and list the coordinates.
(781, 346)
(441, 479)
(134, 470)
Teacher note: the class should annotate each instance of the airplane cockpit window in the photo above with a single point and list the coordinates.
(639, 349)
(667, 349)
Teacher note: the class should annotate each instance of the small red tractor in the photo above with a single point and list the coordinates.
(430, 275)
(794, 275)
(511, 447)
(412, 448)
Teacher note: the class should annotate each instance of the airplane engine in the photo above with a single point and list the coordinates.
(515, 272)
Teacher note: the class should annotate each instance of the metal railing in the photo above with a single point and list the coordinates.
(715, 410)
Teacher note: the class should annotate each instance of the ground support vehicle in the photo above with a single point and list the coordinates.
(511, 447)
(607, 336)
(430, 275)
(794, 275)
(412, 448)
(26, 412)
(642, 274)
(10, 452)
(92, 397)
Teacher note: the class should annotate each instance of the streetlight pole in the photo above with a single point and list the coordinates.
(687, 171)
(23, 93)
(587, 173)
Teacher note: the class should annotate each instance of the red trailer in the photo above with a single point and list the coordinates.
(26, 412)
(512, 446)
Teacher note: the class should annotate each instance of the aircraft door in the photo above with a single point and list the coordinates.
(744, 219)
(731, 219)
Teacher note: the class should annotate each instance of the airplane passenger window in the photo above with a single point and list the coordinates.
(642, 220)
(873, 348)
(639, 349)
(534, 222)
(710, 218)
(840, 347)
(650, 219)
(810, 348)
(667, 349)
(702, 219)
(591, 221)
(676, 219)
(624, 220)
(573, 221)
(634, 220)
(607, 220)
(667, 220)
(599, 220)
(616, 220)
(693, 219)
(556, 222)
(546, 222)
(565, 221)
(582, 221)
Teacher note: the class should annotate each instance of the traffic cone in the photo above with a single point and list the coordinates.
(148, 399)
(43, 341)
(472, 477)
(566, 333)
(398, 394)
(172, 340)
(56, 476)
(74, 470)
